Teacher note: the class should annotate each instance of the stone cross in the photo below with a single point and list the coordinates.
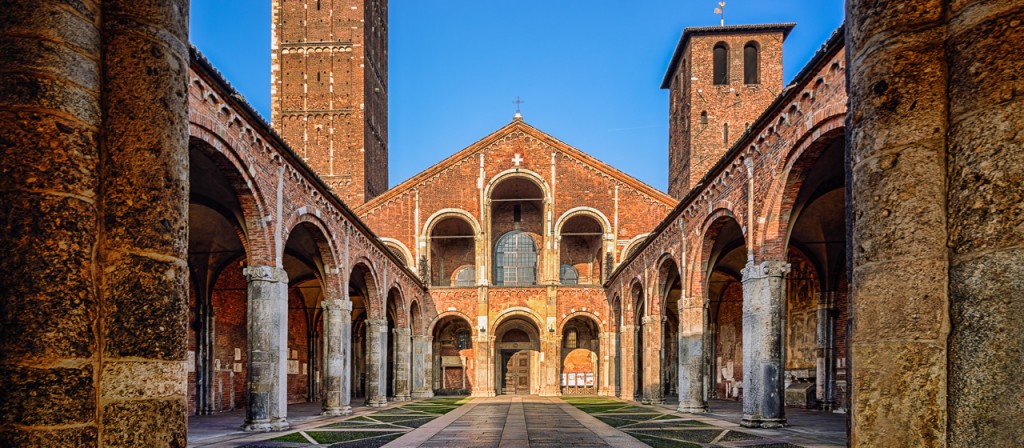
(517, 159)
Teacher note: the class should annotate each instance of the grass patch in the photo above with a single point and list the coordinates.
(736, 436)
(361, 418)
(655, 424)
(431, 409)
(657, 442)
(693, 435)
(415, 422)
(291, 438)
(397, 418)
(599, 408)
(344, 436)
(359, 425)
(373, 442)
(394, 411)
(614, 422)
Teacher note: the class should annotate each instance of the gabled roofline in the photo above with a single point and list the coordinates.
(498, 134)
(831, 47)
(666, 82)
(228, 93)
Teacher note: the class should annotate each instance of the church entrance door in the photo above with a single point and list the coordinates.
(516, 376)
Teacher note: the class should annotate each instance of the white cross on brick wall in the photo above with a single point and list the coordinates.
(517, 159)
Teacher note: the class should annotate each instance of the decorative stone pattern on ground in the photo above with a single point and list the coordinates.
(658, 429)
(368, 431)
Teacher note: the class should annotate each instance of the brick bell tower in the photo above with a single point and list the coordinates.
(720, 80)
(329, 96)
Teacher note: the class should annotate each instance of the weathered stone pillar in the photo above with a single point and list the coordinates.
(652, 387)
(93, 222)
(825, 378)
(403, 364)
(764, 300)
(607, 362)
(334, 356)
(691, 356)
(267, 379)
(376, 363)
(934, 175)
(422, 366)
(627, 376)
(346, 356)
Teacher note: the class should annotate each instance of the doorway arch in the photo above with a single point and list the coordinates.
(517, 357)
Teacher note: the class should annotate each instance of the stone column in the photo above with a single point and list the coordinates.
(627, 376)
(422, 367)
(653, 385)
(376, 362)
(825, 378)
(267, 378)
(403, 364)
(346, 356)
(764, 300)
(93, 222)
(691, 356)
(607, 362)
(334, 356)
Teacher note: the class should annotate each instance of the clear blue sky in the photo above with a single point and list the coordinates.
(588, 71)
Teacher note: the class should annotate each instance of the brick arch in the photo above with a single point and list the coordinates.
(663, 277)
(456, 314)
(444, 213)
(773, 237)
(519, 172)
(518, 311)
(374, 300)
(634, 302)
(710, 229)
(633, 243)
(401, 309)
(259, 247)
(406, 254)
(416, 317)
(583, 211)
(325, 242)
(598, 322)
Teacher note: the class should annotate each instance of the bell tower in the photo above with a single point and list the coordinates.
(329, 97)
(720, 80)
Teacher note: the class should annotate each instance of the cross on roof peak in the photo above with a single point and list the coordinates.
(519, 114)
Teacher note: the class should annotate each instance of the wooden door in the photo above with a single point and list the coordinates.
(517, 374)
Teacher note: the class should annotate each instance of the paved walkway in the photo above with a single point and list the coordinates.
(516, 421)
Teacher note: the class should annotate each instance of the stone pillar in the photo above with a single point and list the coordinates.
(346, 356)
(376, 363)
(934, 177)
(422, 367)
(825, 378)
(607, 361)
(267, 378)
(334, 356)
(403, 364)
(764, 301)
(652, 387)
(691, 356)
(93, 222)
(627, 377)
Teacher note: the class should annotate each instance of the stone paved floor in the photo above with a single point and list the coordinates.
(516, 421)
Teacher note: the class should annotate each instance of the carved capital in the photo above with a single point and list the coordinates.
(403, 331)
(768, 268)
(332, 305)
(376, 324)
(265, 274)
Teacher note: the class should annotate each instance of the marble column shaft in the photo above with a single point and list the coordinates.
(403, 360)
(627, 376)
(267, 375)
(334, 375)
(651, 359)
(691, 356)
(376, 362)
(764, 299)
(422, 367)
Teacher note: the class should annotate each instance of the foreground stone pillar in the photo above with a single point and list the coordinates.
(607, 362)
(422, 367)
(652, 386)
(346, 357)
(334, 356)
(691, 356)
(764, 296)
(93, 222)
(403, 364)
(376, 363)
(267, 379)
(825, 377)
(934, 173)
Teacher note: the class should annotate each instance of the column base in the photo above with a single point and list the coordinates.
(259, 426)
(690, 409)
(605, 392)
(652, 401)
(334, 412)
(426, 394)
(377, 402)
(280, 424)
(401, 398)
(766, 423)
(482, 393)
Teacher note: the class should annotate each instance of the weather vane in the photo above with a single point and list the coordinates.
(720, 10)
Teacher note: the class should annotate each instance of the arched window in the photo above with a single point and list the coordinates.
(725, 133)
(465, 277)
(568, 275)
(721, 65)
(570, 338)
(704, 117)
(462, 340)
(515, 260)
(751, 63)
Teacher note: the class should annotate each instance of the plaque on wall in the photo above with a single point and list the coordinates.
(590, 379)
(238, 354)
(191, 366)
(216, 364)
(304, 366)
(293, 366)
(451, 361)
(580, 378)
(564, 380)
(238, 367)
(295, 354)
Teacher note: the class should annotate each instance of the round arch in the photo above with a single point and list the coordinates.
(583, 211)
(518, 172)
(402, 249)
(440, 215)
(431, 327)
(633, 243)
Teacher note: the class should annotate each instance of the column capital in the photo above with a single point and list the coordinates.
(265, 274)
(423, 338)
(767, 268)
(376, 323)
(401, 331)
(336, 305)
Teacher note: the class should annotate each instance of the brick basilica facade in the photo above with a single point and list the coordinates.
(848, 242)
